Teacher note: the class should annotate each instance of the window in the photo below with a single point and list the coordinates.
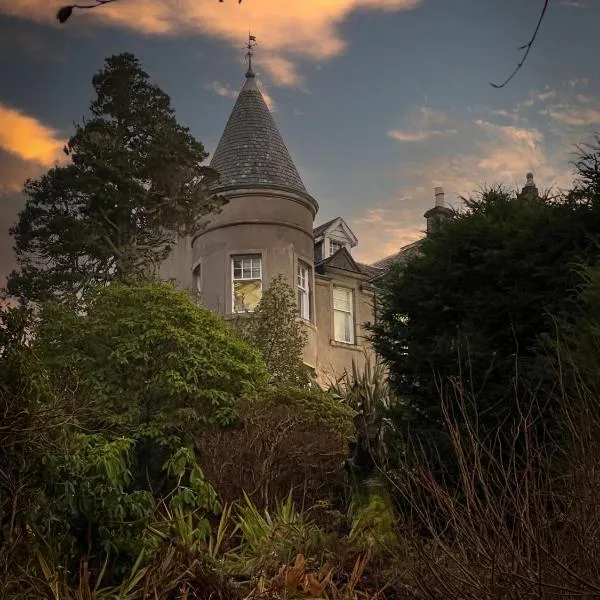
(246, 282)
(197, 278)
(303, 292)
(334, 247)
(343, 318)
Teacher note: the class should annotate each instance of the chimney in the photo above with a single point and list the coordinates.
(439, 213)
(439, 196)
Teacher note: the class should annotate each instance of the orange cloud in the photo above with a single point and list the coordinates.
(29, 139)
(307, 28)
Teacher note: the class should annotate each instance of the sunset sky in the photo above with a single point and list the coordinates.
(378, 100)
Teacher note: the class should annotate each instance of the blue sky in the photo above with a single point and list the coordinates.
(378, 100)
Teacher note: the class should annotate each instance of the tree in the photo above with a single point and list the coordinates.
(148, 358)
(275, 329)
(134, 182)
(464, 319)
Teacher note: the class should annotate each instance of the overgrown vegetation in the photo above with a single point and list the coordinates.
(150, 449)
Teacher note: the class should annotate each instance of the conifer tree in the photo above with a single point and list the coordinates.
(135, 180)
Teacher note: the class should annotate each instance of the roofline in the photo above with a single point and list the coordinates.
(240, 190)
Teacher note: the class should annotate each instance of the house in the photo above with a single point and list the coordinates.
(267, 228)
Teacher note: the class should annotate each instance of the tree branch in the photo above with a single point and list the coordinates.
(527, 47)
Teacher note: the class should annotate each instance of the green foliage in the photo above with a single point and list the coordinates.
(133, 183)
(472, 307)
(151, 361)
(275, 329)
(316, 408)
(367, 391)
(270, 539)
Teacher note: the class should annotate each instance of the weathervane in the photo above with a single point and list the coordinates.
(250, 47)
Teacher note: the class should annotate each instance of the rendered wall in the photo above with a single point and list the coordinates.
(333, 357)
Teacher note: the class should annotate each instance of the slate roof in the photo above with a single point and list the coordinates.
(317, 231)
(369, 270)
(402, 256)
(251, 150)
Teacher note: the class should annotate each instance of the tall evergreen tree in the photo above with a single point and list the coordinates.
(470, 310)
(135, 181)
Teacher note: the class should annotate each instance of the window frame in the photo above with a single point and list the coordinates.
(349, 296)
(233, 258)
(304, 308)
(333, 243)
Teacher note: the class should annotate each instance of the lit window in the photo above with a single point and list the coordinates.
(303, 292)
(197, 277)
(343, 321)
(246, 282)
(334, 247)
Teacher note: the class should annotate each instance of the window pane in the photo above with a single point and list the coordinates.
(342, 299)
(342, 323)
(246, 295)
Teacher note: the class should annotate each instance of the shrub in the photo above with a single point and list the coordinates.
(287, 438)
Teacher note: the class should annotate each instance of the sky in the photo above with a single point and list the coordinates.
(378, 101)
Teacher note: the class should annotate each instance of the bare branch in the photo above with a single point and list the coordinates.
(527, 47)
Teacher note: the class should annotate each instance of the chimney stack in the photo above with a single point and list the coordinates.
(439, 196)
(439, 213)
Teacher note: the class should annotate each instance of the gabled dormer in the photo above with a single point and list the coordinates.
(331, 237)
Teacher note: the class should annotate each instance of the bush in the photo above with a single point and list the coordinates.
(287, 438)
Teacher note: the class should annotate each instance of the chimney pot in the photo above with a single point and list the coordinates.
(439, 196)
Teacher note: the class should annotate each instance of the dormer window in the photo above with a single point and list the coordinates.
(334, 246)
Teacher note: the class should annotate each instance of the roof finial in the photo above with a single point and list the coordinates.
(250, 47)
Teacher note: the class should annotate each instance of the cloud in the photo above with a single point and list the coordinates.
(286, 30)
(421, 120)
(226, 91)
(28, 138)
(282, 71)
(222, 90)
(418, 136)
(486, 150)
(573, 4)
(573, 115)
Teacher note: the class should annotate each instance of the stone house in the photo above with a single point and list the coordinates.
(267, 228)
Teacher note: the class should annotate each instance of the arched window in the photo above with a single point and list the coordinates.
(197, 283)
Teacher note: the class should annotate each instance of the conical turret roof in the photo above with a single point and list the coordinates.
(251, 151)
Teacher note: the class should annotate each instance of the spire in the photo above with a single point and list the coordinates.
(250, 46)
(251, 151)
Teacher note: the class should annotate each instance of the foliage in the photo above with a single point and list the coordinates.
(276, 330)
(473, 306)
(133, 183)
(288, 438)
(151, 360)
(116, 386)
(367, 391)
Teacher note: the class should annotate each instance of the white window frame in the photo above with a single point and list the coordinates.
(340, 336)
(251, 257)
(303, 289)
(333, 243)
